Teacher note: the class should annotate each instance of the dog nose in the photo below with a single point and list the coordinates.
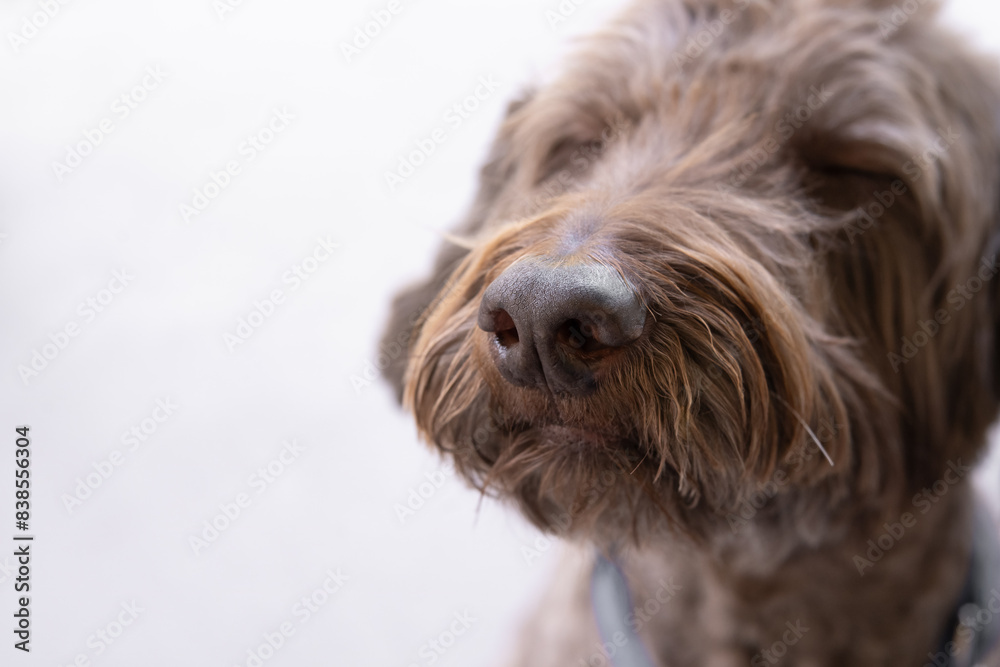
(555, 324)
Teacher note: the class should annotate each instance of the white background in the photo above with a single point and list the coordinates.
(162, 336)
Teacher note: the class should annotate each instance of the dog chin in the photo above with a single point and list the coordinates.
(575, 438)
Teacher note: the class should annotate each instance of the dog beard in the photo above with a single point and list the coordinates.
(730, 377)
(738, 208)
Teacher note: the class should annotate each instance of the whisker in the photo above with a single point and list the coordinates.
(806, 427)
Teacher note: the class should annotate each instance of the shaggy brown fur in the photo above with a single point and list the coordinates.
(805, 196)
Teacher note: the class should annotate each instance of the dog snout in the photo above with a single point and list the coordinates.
(555, 325)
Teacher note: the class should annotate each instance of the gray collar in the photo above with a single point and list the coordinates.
(972, 633)
(612, 607)
(974, 629)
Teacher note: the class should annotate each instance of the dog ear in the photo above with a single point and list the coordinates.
(994, 251)
(413, 304)
(909, 173)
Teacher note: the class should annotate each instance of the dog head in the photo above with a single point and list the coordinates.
(668, 299)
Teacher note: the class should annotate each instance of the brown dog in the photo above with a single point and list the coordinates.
(727, 309)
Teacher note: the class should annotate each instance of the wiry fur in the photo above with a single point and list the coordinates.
(774, 315)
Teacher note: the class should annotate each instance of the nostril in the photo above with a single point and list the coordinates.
(572, 334)
(504, 328)
(579, 336)
(556, 324)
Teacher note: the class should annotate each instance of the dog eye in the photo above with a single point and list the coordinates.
(569, 158)
(555, 158)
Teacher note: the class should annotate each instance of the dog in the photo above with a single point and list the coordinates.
(724, 317)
